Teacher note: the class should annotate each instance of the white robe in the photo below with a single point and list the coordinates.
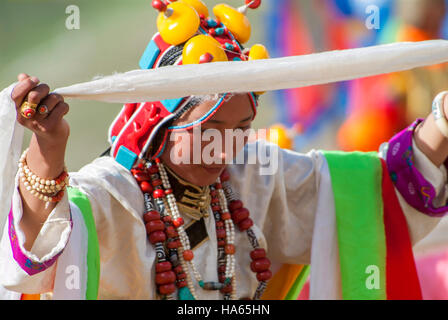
(293, 215)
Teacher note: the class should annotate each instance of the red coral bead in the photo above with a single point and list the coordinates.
(167, 219)
(245, 224)
(146, 187)
(219, 224)
(159, 193)
(229, 249)
(156, 183)
(181, 276)
(168, 191)
(163, 266)
(258, 254)
(260, 265)
(220, 233)
(159, 5)
(178, 222)
(255, 4)
(222, 269)
(240, 215)
(157, 236)
(151, 215)
(264, 276)
(188, 255)
(140, 176)
(225, 175)
(221, 243)
(225, 216)
(216, 208)
(153, 170)
(218, 186)
(206, 58)
(235, 204)
(165, 277)
(178, 269)
(222, 277)
(227, 289)
(181, 284)
(155, 225)
(167, 288)
(173, 244)
(171, 232)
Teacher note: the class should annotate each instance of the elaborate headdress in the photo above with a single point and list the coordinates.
(186, 35)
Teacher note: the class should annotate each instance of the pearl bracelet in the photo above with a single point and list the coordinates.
(43, 189)
(439, 114)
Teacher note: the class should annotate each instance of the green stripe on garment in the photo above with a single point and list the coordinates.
(297, 286)
(357, 182)
(93, 251)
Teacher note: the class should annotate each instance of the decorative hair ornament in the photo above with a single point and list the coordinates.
(439, 113)
(187, 35)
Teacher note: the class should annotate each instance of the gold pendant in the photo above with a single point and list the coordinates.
(194, 201)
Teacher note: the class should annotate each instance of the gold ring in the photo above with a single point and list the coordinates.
(28, 110)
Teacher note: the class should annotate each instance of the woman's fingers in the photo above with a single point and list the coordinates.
(22, 76)
(55, 116)
(47, 105)
(38, 93)
(22, 89)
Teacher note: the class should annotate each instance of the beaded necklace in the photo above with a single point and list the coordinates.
(166, 231)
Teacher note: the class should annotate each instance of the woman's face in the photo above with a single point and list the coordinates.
(199, 155)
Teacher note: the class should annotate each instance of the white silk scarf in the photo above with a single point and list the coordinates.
(230, 77)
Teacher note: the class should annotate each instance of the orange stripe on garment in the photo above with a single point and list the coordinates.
(402, 281)
(280, 284)
(30, 296)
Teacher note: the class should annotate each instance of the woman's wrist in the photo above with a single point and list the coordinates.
(46, 158)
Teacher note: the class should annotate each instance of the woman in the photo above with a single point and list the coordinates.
(164, 229)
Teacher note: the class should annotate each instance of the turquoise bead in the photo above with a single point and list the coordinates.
(219, 31)
(185, 294)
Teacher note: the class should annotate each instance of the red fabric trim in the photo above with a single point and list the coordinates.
(402, 281)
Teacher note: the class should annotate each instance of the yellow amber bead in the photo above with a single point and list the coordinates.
(235, 21)
(258, 52)
(200, 45)
(178, 24)
(199, 6)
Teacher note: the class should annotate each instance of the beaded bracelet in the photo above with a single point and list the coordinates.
(43, 189)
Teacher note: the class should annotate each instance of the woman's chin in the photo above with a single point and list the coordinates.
(204, 177)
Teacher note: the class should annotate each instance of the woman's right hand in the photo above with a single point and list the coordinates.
(46, 153)
(50, 128)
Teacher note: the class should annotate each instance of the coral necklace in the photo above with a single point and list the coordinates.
(166, 231)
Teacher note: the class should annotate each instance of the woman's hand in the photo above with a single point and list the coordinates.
(431, 141)
(46, 153)
(49, 127)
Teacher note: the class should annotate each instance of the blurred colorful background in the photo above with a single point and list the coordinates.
(355, 115)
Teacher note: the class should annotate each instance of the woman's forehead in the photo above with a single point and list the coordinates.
(235, 108)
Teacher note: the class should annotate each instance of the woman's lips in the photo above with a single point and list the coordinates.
(213, 170)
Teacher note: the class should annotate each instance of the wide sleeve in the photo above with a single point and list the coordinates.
(33, 271)
(421, 186)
